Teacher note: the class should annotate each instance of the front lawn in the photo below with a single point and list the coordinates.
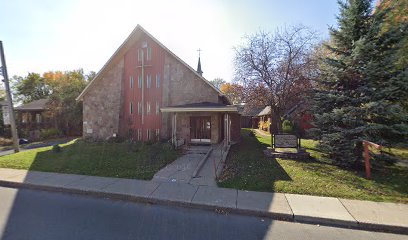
(247, 168)
(123, 160)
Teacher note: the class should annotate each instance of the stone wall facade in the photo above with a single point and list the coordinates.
(102, 104)
(183, 125)
(182, 86)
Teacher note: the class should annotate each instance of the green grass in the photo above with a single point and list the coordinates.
(123, 160)
(247, 168)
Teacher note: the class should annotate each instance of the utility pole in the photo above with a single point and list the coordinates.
(9, 100)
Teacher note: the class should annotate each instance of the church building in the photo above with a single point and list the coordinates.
(146, 93)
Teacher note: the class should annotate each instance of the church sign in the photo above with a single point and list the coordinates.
(286, 141)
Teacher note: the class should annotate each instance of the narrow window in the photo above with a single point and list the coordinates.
(139, 82)
(148, 134)
(131, 81)
(131, 108)
(139, 134)
(158, 134)
(139, 108)
(139, 55)
(158, 80)
(38, 118)
(149, 81)
(148, 107)
(157, 108)
(149, 53)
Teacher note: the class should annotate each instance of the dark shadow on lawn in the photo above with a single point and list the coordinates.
(248, 168)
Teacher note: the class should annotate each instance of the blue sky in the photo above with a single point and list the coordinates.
(40, 36)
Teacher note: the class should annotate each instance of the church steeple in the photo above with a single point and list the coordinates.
(199, 71)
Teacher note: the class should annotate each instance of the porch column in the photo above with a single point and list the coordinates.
(174, 130)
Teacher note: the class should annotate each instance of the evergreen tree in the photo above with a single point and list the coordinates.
(362, 86)
(337, 100)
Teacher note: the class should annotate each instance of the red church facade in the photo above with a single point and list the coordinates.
(145, 92)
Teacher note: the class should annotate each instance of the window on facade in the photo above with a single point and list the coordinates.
(157, 108)
(131, 108)
(149, 81)
(139, 108)
(139, 55)
(24, 118)
(158, 134)
(148, 107)
(139, 134)
(38, 118)
(131, 80)
(148, 134)
(139, 81)
(158, 80)
(149, 53)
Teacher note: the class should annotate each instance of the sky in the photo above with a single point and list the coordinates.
(50, 35)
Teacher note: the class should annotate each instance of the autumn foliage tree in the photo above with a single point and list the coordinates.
(233, 91)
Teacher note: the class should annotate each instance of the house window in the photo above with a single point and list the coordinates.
(139, 55)
(149, 81)
(148, 134)
(148, 107)
(139, 134)
(38, 118)
(139, 81)
(131, 80)
(149, 53)
(24, 118)
(139, 108)
(157, 108)
(158, 134)
(157, 80)
(131, 108)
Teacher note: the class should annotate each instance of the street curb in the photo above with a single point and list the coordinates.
(218, 209)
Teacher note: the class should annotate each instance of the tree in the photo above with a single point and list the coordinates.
(234, 92)
(63, 107)
(276, 65)
(30, 88)
(218, 82)
(360, 86)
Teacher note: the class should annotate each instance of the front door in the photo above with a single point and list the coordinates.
(200, 131)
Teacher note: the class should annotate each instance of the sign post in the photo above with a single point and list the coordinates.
(9, 99)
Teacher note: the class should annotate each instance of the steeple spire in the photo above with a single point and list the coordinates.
(199, 71)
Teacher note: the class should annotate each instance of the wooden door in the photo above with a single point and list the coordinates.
(200, 129)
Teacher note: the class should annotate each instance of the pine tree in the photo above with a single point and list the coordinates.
(363, 86)
(337, 100)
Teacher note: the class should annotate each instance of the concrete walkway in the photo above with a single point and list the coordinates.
(290, 207)
(198, 166)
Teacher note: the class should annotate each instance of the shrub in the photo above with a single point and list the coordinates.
(287, 126)
(5, 141)
(49, 133)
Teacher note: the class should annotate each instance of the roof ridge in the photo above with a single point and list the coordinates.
(139, 27)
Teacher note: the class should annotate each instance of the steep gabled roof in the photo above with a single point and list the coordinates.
(120, 52)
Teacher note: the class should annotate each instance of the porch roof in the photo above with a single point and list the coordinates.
(201, 107)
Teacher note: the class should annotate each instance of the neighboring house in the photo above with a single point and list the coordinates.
(249, 116)
(298, 114)
(146, 93)
(32, 117)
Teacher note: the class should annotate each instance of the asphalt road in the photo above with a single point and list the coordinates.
(29, 214)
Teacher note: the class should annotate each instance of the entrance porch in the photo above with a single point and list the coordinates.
(203, 123)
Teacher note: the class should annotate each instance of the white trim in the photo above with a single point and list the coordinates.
(199, 109)
(201, 140)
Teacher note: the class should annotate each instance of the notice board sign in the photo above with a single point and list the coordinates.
(286, 141)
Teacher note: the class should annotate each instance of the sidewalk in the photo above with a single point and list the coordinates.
(290, 207)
